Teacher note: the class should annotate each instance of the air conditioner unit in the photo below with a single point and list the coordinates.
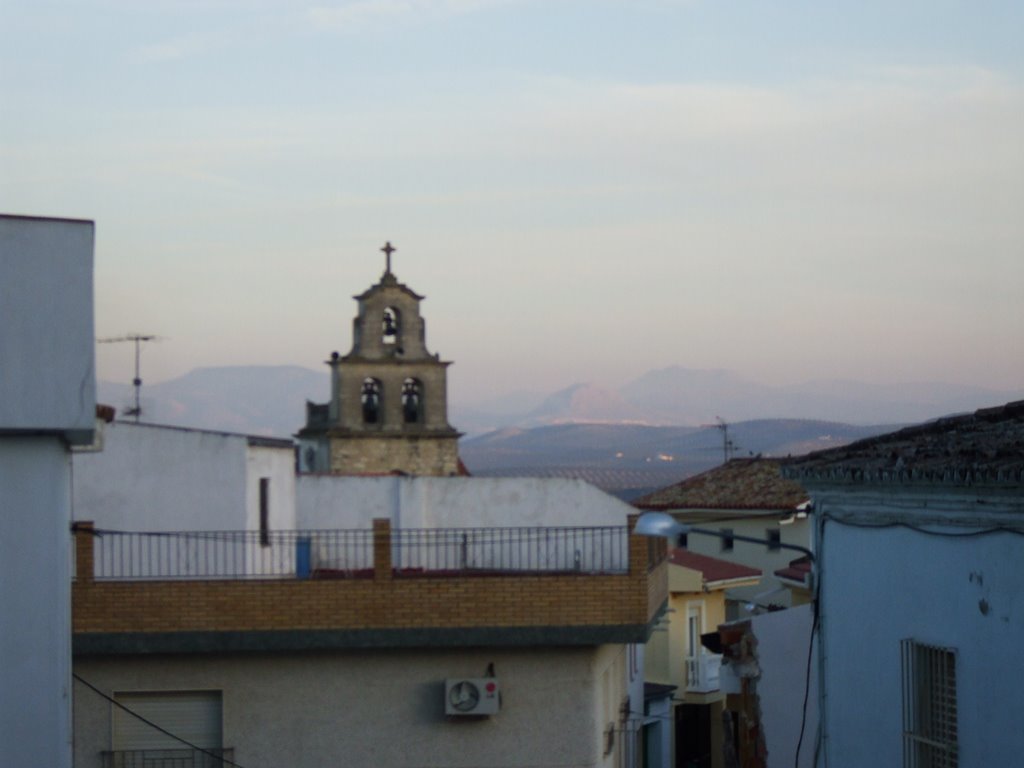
(471, 696)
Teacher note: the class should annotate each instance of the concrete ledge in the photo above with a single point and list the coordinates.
(145, 643)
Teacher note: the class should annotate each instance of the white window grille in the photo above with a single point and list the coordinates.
(929, 706)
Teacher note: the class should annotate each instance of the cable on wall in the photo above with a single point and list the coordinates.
(151, 724)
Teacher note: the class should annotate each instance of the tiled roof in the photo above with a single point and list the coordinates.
(982, 448)
(798, 570)
(740, 484)
(712, 568)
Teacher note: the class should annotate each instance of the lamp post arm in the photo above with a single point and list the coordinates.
(750, 540)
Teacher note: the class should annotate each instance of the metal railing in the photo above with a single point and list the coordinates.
(498, 550)
(702, 672)
(168, 758)
(230, 554)
(119, 555)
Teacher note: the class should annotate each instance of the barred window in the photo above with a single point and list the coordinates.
(929, 706)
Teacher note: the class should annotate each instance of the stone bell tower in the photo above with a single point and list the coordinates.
(389, 406)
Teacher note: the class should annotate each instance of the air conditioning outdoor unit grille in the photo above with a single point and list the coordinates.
(471, 696)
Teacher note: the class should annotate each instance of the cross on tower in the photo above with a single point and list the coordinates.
(388, 250)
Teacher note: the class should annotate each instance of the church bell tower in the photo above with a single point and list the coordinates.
(388, 410)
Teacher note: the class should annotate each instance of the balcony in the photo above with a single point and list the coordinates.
(168, 758)
(196, 555)
(702, 673)
(307, 590)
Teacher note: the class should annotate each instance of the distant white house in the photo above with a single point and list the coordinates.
(919, 539)
(47, 406)
(743, 497)
(151, 477)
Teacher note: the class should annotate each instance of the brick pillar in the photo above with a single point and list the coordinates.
(644, 551)
(83, 531)
(382, 549)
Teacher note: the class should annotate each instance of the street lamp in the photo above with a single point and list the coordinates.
(666, 526)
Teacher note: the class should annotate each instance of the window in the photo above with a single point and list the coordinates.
(929, 706)
(371, 401)
(265, 511)
(194, 716)
(774, 537)
(727, 540)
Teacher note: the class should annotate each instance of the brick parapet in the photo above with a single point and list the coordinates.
(84, 531)
(386, 601)
(382, 570)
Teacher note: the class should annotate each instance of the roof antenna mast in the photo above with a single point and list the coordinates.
(138, 338)
(728, 446)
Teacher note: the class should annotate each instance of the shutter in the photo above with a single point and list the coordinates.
(193, 715)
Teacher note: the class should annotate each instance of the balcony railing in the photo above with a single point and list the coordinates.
(119, 555)
(498, 550)
(702, 673)
(230, 554)
(168, 758)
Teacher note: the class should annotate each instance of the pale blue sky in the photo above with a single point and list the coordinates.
(583, 190)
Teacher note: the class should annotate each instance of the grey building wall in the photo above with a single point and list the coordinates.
(382, 708)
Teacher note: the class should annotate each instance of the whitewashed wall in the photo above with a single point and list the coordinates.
(151, 478)
(325, 501)
(278, 466)
(35, 610)
(783, 644)
(47, 388)
(880, 586)
(46, 326)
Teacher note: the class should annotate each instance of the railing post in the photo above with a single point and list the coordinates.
(382, 549)
(84, 531)
(641, 556)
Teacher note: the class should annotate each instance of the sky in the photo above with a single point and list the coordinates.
(583, 190)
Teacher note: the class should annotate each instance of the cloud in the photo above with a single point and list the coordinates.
(362, 12)
(171, 50)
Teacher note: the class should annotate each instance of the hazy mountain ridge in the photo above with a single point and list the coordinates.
(658, 429)
(270, 400)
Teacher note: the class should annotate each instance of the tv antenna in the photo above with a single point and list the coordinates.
(728, 446)
(138, 338)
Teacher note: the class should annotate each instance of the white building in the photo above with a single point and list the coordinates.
(342, 654)
(920, 539)
(744, 497)
(150, 477)
(47, 405)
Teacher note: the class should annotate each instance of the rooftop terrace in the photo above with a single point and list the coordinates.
(187, 592)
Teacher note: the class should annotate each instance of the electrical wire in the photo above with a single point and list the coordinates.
(928, 531)
(807, 672)
(151, 724)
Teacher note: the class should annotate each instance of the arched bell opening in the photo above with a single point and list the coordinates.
(412, 401)
(391, 325)
(371, 394)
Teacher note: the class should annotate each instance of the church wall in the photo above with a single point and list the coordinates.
(412, 455)
(392, 375)
(328, 501)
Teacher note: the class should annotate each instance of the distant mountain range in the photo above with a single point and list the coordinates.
(658, 429)
(632, 459)
(686, 396)
(269, 400)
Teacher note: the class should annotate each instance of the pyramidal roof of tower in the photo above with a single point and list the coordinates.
(388, 280)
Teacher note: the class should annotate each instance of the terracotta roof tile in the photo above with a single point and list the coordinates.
(740, 484)
(985, 447)
(712, 568)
